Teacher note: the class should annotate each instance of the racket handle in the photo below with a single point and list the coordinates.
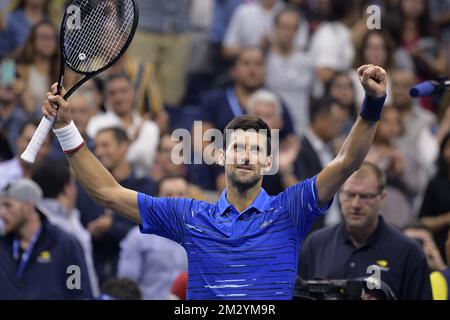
(30, 153)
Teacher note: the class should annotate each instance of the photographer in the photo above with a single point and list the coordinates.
(364, 245)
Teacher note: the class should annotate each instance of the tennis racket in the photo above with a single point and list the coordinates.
(94, 34)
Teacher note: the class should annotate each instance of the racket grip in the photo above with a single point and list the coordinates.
(30, 153)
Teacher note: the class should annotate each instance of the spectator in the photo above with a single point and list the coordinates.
(148, 99)
(440, 15)
(417, 123)
(328, 116)
(152, 261)
(314, 12)
(435, 211)
(222, 105)
(108, 229)
(12, 117)
(429, 248)
(120, 289)
(164, 166)
(343, 89)
(363, 239)
(252, 26)
(142, 134)
(162, 40)
(289, 71)
(60, 194)
(18, 24)
(378, 48)
(38, 65)
(440, 280)
(39, 264)
(416, 33)
(400, 167)
(16, 168)
(331, 46)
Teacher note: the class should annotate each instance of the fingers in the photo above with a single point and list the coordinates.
(54, 90)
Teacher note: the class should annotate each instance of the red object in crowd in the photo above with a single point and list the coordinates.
(179, 286)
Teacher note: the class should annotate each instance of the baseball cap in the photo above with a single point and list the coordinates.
(25, 190)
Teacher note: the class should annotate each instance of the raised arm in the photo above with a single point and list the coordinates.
(358, 142)
(93, 176)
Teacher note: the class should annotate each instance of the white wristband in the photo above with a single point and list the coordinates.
(70, 138)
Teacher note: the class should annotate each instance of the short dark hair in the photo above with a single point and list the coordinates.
(169, 177)
(246, 123)
(243, 51)
(340, 9)
(119, 134)
(52, 175)
(121, 289)
(323, 106)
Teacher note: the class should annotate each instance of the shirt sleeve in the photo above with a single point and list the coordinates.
(164, 217)
(302, 203)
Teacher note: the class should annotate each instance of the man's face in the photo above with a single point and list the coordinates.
(402, 81)
(173, 188)
(246, 158)
(330, 125)
(390, 126)
(287, 28)
(120, 96)
(164, 156)
(81, 112)
(361, 201)
(108, 150)
(249, 69)
(24, 139)
(13, 213)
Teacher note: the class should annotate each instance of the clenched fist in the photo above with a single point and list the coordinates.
(373, 79)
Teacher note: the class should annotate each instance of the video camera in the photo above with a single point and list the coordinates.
(355, 289)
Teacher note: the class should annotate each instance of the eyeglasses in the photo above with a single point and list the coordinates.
(366, 197)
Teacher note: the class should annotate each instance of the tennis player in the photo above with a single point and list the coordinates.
(246, 245)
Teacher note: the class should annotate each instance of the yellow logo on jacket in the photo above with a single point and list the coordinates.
(44, 257)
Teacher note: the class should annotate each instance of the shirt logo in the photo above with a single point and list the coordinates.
(266, 223)
(383, 264)
(44, 257)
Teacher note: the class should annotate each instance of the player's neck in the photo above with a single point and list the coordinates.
(241, 200)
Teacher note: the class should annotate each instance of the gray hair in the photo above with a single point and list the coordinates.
(264, 96)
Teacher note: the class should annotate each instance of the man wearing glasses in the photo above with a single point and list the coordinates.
(363, 245)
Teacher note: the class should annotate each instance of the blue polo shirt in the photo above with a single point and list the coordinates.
(330, 254)
(232, 255)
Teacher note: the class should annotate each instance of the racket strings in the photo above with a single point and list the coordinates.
(103, 32)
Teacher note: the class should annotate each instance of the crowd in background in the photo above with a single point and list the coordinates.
(293, 63)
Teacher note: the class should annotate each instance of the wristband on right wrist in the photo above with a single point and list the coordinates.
(69, 138)
(371, 108)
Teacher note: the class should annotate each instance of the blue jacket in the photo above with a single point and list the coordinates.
(46, 274)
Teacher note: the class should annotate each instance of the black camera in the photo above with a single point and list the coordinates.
(354, 289)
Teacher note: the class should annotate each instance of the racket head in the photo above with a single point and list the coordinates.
(95, 34)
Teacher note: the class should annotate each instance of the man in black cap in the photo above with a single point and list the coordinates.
(37, 260)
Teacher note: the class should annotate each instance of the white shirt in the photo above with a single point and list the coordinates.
(291, 77)
(143, 147)
(10, 170)
(325, 155)
(250, 23)
(332, 47)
